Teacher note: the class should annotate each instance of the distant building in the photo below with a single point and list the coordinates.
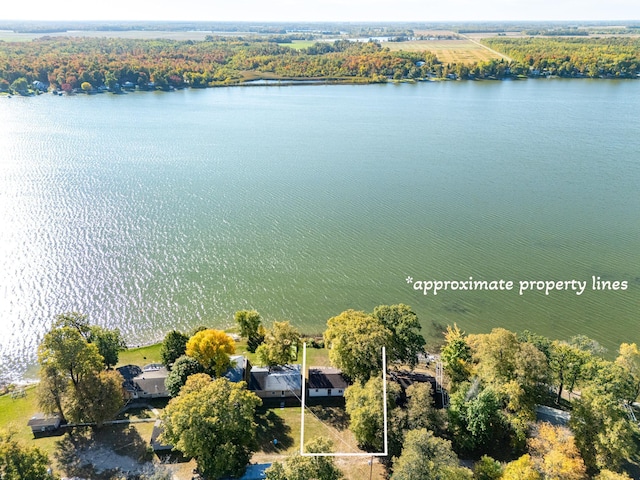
(326, 382)
(276, 382)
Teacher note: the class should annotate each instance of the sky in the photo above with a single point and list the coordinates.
(326, 10)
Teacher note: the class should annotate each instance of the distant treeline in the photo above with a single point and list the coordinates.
(91, 63)
(67, 63)
(571, 57)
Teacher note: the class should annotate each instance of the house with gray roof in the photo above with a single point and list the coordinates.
(276, 382)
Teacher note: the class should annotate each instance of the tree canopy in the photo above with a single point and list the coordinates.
(212, 348)
(19, 462)
(355, 340)
(281, 345)
(173, 347)
(213, 422)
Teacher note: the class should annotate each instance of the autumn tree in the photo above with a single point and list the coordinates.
(521, 469)
(212, 348)
(555, 455)
(249, 322)
(355, 340)
(405, 341)
(19, 462)
(173, 347)
(456, 355)
(425, 457)
(213, 422)
(281, 345)
(629, 359)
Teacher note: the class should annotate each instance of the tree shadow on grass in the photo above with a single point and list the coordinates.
(335, 416)
(270, 427)
(111, 452)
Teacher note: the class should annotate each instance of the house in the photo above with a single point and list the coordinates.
(276, 382)
(145, 382)
(41, 423)
(326, 382)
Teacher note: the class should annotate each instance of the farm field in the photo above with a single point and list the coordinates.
(447, 51)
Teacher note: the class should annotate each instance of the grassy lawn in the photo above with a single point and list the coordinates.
(140, 356)
(298, 44)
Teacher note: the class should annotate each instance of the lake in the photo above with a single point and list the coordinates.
(154, 211)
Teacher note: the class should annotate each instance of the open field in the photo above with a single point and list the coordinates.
(447, 51)
(298, 44)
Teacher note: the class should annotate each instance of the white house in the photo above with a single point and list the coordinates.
(326, 382)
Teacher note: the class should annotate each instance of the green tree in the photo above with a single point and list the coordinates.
(603, 432)
(173, 347)
(456, 355)
(566, 364)
(75, 320)
(487, 469)
(364, 405)
(280, 346)
(421, 410)
(249, 322)
(213, 422)
(182, 369)
(212, 348)
(109, 342)
(100, 398)
(355, 340)
(18, 462)
(66, 350)
(405, 342)
(20, 86)
(427, 457)
(297, 467)
(476, 419)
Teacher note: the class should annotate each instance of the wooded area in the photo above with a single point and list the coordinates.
(70, 63)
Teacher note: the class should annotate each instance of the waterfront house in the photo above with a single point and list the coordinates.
(145, 382)
(326, 382)
(276, 382)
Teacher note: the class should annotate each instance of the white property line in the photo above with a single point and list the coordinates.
(384, 413)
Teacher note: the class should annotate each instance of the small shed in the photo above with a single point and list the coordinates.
(41, 423)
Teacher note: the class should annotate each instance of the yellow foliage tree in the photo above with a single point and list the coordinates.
(555, 454)
(521, 469)
(212, 348)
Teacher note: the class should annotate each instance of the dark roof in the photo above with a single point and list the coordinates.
(128, 372)
(326, 377)
(152, 381)
(40, 420)
(406, 379)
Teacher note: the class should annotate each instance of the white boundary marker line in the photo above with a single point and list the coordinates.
(384, 413)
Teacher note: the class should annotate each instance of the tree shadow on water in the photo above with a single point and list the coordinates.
(110, 452)
(271, 426)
